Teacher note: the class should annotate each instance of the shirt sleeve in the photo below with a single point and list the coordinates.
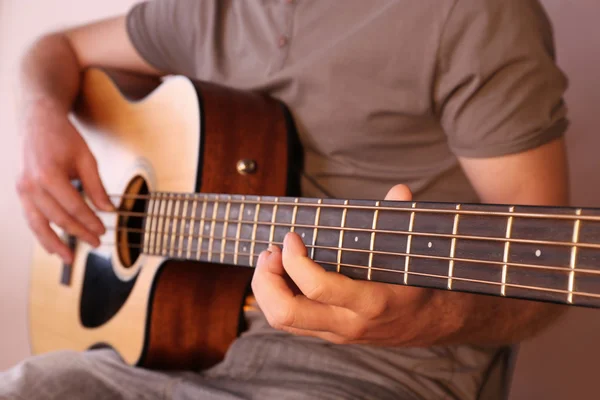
(165, 33)
(498, 89)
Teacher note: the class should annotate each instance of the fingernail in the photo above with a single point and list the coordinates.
(264, 255)
(98, 229)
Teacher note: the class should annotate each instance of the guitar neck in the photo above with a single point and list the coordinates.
(537, 253)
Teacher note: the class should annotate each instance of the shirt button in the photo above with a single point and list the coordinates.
(282, 41)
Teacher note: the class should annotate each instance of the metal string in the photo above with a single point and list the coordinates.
(174, 250)
(219, 198)
(347, 249)
(579, 244)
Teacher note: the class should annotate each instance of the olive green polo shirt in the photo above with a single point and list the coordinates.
(382, 91)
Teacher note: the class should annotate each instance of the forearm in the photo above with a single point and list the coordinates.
(49, 74)
(459, 318)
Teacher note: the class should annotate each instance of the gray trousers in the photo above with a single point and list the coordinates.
(262, 364)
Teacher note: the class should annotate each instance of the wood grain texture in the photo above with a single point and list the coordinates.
(178, 314)
(196, 308)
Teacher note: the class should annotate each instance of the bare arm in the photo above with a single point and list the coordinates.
(326, 304)
(535, 177)
(51, 68)
(54, 152)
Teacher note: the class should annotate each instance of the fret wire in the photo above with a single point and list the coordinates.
(425, 256)
(273, 220)
(408, 243)
(238, 231)
(184, 201)
(164, 237)
(341, 240)
(160, 226)
(225, 224)
(202, 219)
(156, 218)
(252, 244)
(154, 226)
(533, 288)
(212, 230)
(192, 226)
(418, 210)
(316, 229)
(174, 225)
(453, 248)
(372, 244)
(509, 223)
(503, 239)
(573, 261)
(294, 213)
(147, 229)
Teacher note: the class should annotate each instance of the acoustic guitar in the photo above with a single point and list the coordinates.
(206, 177)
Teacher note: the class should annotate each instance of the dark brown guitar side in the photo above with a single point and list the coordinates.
(189, 311)
(196, 312)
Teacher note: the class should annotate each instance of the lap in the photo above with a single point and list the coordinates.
(262, 364)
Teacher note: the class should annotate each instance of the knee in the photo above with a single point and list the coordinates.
(48, 376)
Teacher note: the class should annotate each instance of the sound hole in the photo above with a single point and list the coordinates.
(132, 215)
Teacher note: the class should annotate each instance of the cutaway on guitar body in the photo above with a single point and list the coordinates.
(141, 292)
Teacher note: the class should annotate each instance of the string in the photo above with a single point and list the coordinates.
(581, 245)
(374, 252)
(174, 250)
(217, 198)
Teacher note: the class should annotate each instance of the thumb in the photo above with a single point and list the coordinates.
(399, 193)
(92, 184)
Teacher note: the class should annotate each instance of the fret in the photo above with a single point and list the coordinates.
(247, 228)
(169, 221)
(356, 239)
(316, 229)
(228, 243)
(153, 222)
(411, 226)
(273, 220)
(238, 231)
(372, 243)
(252, 243)
(154, 227)
(573, 261)
(264, 225)
(544, 255)
(587, 259)
(327, 240)
(341, 240)
(294, 215)
(224, 237)
(211, 237)
(148, 225)
(173, 226)
(192, 225)
(201, 228)
(509, 223)
(305, 221)
(432, 272)
(468, 275)
(182, 224)
(161, 226)
(386, 264)
(453, 248)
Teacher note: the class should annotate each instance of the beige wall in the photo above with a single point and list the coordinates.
(558, 365)
(20, 22)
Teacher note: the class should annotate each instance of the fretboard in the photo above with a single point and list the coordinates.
(537, 253)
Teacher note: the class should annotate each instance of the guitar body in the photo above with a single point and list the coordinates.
(158, 311)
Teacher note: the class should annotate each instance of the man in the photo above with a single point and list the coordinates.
(460, 100)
